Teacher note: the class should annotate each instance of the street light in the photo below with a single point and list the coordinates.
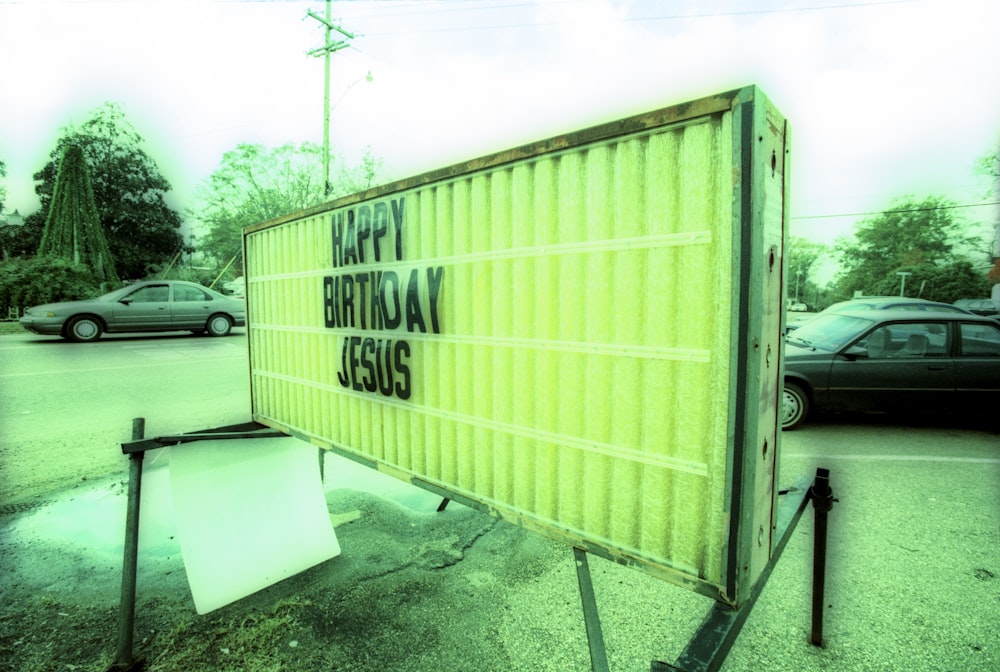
(367, 78)
(902, 280)
(326, 134)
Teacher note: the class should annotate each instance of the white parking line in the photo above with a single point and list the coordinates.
(76, 371)
(183, 352)
(899, 458)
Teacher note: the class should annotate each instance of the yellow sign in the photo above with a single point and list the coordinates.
(581, 336)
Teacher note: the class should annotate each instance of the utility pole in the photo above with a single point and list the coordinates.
(328, 48)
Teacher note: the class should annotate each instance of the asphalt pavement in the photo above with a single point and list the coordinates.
(913, 561)
(913, 582)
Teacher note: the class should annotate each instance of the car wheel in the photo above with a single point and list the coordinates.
(794, 406)
(84, 329)
(219, 325)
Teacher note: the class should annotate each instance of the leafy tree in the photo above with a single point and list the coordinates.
(22, 241)
(73, 229)
(364, 176)
(141, 229)
(43, 279)
(255, 184)
(989, 165)
(958, 279)
(920, 237)
(802, 257)
(3, 187)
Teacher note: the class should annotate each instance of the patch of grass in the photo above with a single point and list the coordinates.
(259, 641)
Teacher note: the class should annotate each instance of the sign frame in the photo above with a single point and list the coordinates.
(759, 170)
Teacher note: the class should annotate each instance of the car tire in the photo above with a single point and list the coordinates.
(219, 325)
(794, 406)
(84, 329)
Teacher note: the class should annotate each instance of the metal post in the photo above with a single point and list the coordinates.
(822, 499)
(595, 637)
(126, 612)
(326, 104)
(327, 49)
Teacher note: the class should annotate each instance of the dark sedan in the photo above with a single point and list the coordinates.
(892, 361)
(880, 303)
(151, 305)
(979, 306)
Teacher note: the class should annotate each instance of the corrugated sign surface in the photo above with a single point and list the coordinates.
(547, 333)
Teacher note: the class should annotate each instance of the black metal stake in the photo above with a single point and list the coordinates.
(595, 636)
(822, 499)
(126, 611)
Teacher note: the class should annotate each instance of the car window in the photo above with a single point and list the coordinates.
(979, 340)
(185, 293)
(150, 294)
(906, 340)
(877, 343)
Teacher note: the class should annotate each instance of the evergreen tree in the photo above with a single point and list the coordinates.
(141, 230)
(73, 226)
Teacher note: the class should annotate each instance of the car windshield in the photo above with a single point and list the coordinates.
(829, 332)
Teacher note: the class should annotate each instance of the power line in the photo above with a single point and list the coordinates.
(886, 212)
(463, 7)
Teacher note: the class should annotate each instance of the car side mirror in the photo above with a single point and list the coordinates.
(127, 301)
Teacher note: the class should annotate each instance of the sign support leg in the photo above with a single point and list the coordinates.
(136, 450)
(126, 611)
(595, 637)
(822, 499)
(708, 648)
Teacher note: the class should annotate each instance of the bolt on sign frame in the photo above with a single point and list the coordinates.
(580, 335)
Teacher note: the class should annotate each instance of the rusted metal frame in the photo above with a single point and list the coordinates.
(707, 649)
(130, 562)
(247, 430)
(595, 636)
(742, 518)
(136, 451)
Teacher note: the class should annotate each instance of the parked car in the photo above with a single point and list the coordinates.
(892, 361)
(152, 305)
(979, 306)
(879, 303)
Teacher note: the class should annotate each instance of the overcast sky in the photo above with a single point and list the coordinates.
(885, 98)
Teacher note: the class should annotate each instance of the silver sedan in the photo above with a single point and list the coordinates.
(151, 305)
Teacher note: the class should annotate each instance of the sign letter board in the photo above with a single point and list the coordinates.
(581, 335)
